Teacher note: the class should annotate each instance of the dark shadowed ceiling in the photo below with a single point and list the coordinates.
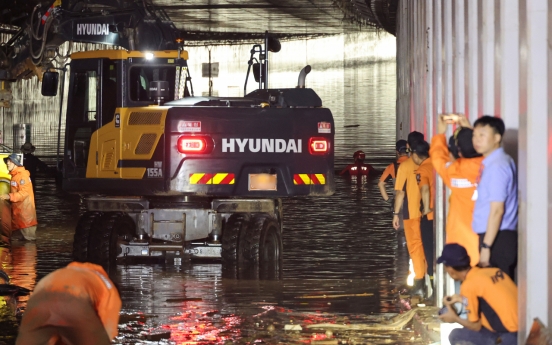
(224, 20)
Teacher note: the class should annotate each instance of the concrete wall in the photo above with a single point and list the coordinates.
(30, 107)
(488, 57)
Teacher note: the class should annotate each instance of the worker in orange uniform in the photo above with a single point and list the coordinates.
(425, 179)
(22, 198)
(488, 298)
(358, 167)
(77, 304)
(408, 199)
(391, 170)
(389, 173)
(460, 176)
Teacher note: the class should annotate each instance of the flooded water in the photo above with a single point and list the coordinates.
(342, 260)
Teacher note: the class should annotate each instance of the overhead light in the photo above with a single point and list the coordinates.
(149, 56)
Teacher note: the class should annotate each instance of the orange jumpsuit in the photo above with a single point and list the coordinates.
(425, 177)
(407, 182)
(77, 304)
(460, 176)
(390, 169)
(22, 199)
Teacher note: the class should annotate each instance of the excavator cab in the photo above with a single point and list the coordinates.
(92, 99)
(102, 85)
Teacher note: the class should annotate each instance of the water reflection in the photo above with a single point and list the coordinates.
(207, 308)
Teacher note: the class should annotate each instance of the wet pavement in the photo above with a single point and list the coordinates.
(342, 260)
(341, 265)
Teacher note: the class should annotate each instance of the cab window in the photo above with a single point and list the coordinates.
(85, 96)
(141, 76)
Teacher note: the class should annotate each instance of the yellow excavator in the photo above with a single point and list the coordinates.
(166, 174)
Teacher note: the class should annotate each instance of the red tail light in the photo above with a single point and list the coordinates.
(319, 146)
(193, 144)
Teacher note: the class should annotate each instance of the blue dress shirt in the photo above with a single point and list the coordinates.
(497, 182)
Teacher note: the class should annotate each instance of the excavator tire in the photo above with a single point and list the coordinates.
(232, 238)
(104, 238)
(81, 239)
(263, 242)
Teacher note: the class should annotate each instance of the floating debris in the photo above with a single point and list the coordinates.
(157, 336)
(293, 328)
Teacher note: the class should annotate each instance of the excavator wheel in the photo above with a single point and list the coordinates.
(232, 238)
(81, 239)
(105, 237)
(263, 242)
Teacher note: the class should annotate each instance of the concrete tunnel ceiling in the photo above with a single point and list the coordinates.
(242, 20)
(229, 19)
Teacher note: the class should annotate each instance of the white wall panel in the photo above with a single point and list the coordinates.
(533, 182)
(488, 67)
(473, 57)
(509, 74)
(459, 63)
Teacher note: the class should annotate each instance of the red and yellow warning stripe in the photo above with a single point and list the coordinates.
(309, 179)
(217, 178)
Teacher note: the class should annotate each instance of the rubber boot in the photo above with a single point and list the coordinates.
(429, 286)
(29, 233)
(419, 288)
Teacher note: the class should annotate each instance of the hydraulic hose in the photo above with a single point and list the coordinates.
(33, 33)
(44, 37)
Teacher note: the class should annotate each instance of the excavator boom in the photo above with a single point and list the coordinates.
(133, 25)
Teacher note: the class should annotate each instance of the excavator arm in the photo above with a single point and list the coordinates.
(131, 24)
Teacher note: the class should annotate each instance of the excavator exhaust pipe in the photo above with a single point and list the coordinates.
(302, 76)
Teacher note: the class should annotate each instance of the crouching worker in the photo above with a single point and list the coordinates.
(488, 296)
(77, 304)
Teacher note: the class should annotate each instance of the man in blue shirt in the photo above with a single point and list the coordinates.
(495, 215)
